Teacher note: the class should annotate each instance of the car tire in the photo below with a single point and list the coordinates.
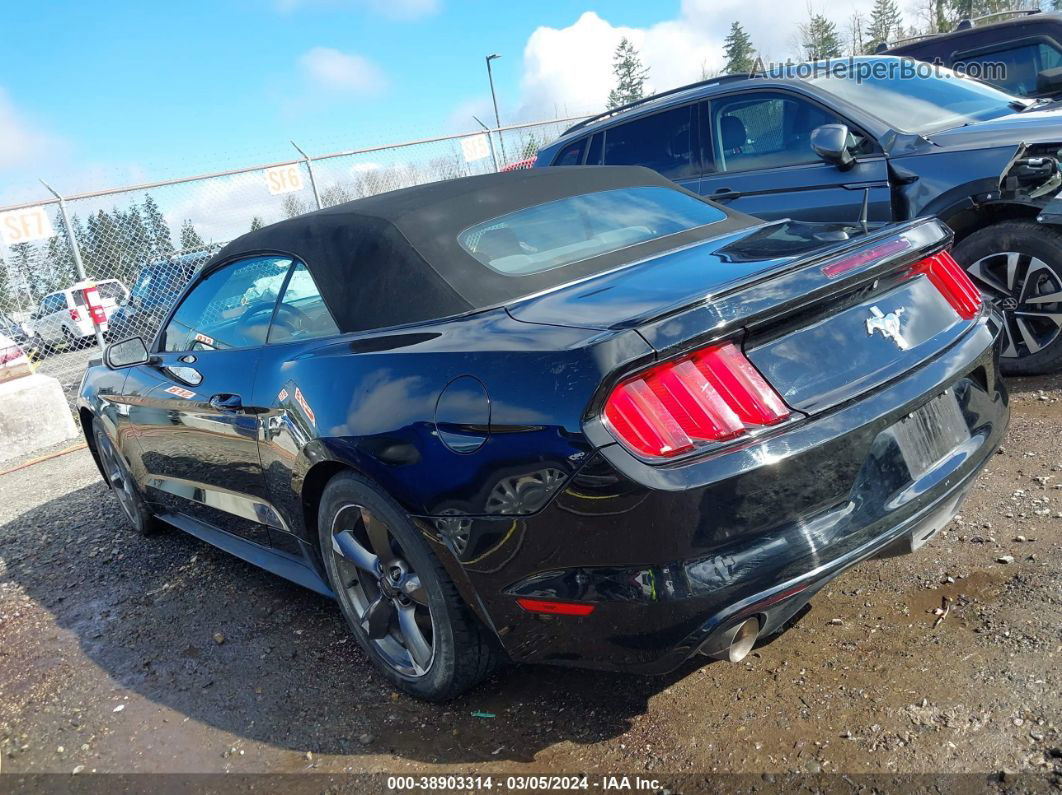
(116, 476)
(70, 342)
(1016, 264)
(416, 612)
(43, 348)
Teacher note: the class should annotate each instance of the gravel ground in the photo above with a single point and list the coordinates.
(123, 654)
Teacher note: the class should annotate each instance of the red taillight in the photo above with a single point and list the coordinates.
(710, 396)
(834, 269)
(953, 283)
(96, 311)
(74, 315)
(555, 608)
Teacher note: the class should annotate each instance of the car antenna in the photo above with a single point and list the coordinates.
(865, 210)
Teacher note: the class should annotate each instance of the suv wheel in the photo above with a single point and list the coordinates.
(396, 596)
(117, 477)
(1018, 266)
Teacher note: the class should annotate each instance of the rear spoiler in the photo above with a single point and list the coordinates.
(798, 284)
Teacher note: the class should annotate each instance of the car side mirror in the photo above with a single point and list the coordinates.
(831, 143)
(126, 353)
(1049, 81)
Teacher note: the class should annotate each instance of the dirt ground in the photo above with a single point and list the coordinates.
(122, 654)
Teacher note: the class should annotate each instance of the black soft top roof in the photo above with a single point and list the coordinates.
(394, 258)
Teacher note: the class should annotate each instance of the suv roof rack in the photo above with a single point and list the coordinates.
(964, 24)
(969, 22)
(652, 97)
(885, 46)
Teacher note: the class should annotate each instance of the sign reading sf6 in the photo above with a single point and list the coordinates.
(284, 179)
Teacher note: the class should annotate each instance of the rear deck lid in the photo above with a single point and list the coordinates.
(644, 290)
(823, 322)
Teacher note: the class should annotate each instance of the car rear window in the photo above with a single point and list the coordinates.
(576, 228)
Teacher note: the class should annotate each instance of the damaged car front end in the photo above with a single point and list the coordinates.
(988, 164)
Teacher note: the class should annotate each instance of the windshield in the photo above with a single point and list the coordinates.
(576, 228)
(915, 100)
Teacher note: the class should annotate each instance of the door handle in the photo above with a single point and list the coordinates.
(226, 402)
(724, 194)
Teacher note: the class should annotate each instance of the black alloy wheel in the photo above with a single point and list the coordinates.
(116, 475)
(396, 594)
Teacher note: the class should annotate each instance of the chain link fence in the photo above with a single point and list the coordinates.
(140, 245)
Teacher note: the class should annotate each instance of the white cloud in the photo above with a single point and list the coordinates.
(568, 71)
(341, 71)
(221, 209)
(403, 10)
(461, 118)
(22, 142)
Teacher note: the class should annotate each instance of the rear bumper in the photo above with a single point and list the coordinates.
(669, 556)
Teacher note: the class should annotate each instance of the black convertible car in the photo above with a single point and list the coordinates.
(574, 416)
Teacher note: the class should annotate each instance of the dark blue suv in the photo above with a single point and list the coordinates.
(156, 288)
(878, 139)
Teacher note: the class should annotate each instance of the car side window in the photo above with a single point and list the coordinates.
(765, 130)
(571, 155)
(229, 308)
(302, 313)
(662, 142)
(1018, 66)
(52, 303)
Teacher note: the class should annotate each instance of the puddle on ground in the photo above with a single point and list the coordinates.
(980, 586)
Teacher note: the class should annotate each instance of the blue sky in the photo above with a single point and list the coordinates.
(117, 91)
(96, 95)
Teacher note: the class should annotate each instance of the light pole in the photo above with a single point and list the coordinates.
(494, 98)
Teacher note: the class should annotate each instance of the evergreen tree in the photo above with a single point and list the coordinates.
(61, 267)
(739, 52)
(158, 229)
(189, 237)
(819, 38)
(531, 147)
(106, 257)
(257, 223)
(630, 75)
(136, 239)
(23, 267)
(885, 23)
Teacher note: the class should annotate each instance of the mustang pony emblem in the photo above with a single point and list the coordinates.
(888, 325)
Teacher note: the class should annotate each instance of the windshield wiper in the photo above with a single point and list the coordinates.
(1036, 103)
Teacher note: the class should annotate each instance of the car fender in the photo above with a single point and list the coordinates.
(942, 183)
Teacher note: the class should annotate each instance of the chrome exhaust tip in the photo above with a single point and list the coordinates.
(734, 643)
